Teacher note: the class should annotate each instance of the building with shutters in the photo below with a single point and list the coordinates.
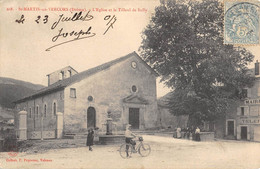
(244, 123)
(124, 88)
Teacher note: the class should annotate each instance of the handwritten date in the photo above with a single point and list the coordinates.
(75, 17)
(73, 35)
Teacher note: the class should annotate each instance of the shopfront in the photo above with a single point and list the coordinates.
(248, 121)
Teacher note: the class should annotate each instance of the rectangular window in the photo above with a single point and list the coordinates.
(69, 73)
(72, 92)
(242, 111)
(61, 75)
(45, 110)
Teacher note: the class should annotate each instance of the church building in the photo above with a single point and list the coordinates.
(124, 89)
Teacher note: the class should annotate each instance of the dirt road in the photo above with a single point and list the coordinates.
(166, 153)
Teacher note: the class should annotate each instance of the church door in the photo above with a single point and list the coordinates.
(91, 117)
(134, 117)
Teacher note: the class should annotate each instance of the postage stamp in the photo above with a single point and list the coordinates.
(241, 22)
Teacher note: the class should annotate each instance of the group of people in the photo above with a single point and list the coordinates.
(189, 133)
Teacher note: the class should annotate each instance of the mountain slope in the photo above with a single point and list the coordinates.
(11, 90)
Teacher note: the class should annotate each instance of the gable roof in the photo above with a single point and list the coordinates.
(78, 77)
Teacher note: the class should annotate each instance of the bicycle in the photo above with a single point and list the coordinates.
(143, 149)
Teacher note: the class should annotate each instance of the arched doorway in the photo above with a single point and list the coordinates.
(91, 117)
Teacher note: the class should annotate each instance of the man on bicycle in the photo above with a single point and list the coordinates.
(129, 135)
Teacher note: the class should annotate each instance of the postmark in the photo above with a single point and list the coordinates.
(241, 22)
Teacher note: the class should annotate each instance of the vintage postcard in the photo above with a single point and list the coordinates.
(148, 84)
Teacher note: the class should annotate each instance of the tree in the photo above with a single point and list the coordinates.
(184, 43)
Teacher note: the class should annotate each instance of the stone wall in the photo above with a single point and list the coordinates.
(34, 121)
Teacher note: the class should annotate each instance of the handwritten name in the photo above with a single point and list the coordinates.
(76, 35)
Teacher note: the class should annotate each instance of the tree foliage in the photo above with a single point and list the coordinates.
(184, 43)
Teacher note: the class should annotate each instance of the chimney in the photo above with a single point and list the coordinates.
(256, 67)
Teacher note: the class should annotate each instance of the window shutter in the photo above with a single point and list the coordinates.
(246, 111)
(238, 111)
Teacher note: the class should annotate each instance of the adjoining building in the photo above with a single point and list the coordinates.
(244, 124)
(124, 88)
(165, 119)
(242, 121)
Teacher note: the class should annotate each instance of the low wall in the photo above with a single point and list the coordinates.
(207, 136)
(37, 134)
(204, 136)
(111, 139)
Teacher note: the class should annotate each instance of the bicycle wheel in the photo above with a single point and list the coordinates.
(126, 150)
(144, 150)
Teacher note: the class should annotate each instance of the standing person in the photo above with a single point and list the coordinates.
(178, 132)
(188, 133)
(197, 134)
(90, 139)
(129, 135)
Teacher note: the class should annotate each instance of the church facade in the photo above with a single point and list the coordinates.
(123, 89)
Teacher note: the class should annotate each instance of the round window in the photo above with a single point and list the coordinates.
(134, 88)
(90, 98)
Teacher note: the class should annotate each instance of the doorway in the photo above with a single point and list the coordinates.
(243, 133)
(231, 128)
(91, 117)
(134, 117)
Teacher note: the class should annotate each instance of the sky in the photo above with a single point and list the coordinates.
(23, 54)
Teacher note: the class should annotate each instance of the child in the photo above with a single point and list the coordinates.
(90, 139)
(129, 135)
